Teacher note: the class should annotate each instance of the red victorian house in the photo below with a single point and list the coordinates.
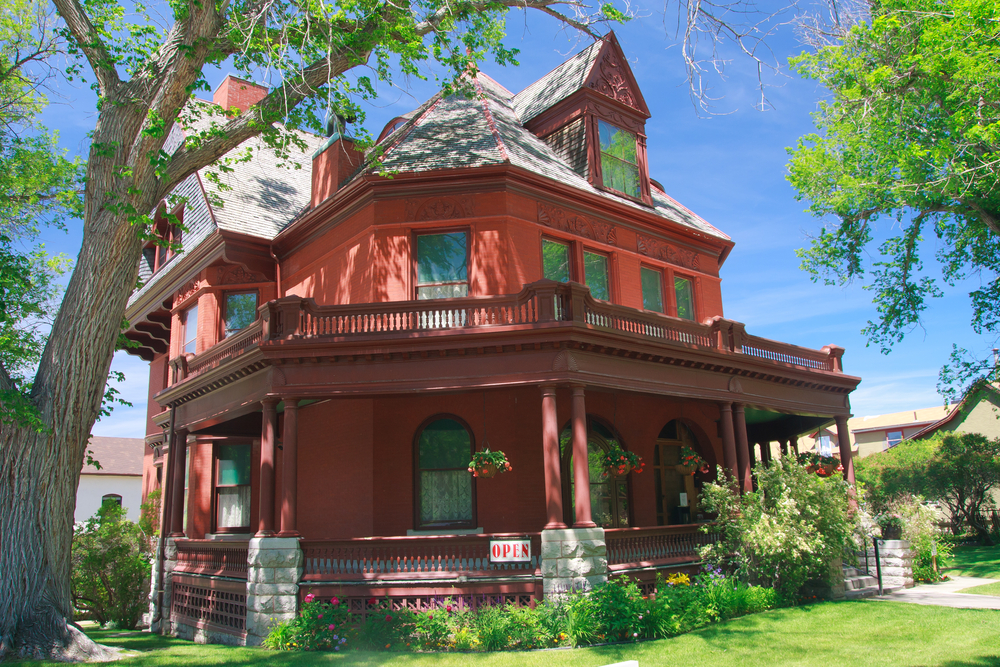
(336, 342)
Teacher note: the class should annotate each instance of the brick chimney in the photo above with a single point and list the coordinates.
(233, 92)
(334, 162)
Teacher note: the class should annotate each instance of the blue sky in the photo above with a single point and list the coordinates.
(729, 168)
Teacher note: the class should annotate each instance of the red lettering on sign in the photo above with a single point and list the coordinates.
(496, 551)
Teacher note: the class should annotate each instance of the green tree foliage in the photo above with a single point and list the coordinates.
(910, 137)
(785, 533)
(111, 568)
(901, 470)
(962, 474)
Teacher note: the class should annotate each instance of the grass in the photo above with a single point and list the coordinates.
(856, 633)
(985, 589)
(976, 562)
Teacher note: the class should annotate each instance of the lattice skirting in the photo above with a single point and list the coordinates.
(203, 602)
(362, 600)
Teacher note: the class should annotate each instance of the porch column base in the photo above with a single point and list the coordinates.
(573, 560)
(162, 624)
(275, 568)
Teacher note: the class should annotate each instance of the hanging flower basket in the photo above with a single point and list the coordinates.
(691, 462)
(824, 466)
(488, 463)
(618, 463)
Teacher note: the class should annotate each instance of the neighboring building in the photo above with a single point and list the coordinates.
(119, 479)
(337, 341)
(873, 434)
(978, 412)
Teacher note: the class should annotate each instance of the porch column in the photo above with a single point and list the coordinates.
(783, 444)
(289, 466)
(846, 458)
(728, 439)
(550, 459)
(178, 452)
(742, 447)
(266, 525)
(752, 451)
(795, 446)
(581, 467)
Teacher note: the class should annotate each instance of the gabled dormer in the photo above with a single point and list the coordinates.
(591, 112)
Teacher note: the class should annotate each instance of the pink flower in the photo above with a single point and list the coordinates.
(430, 617)
(332, 626)
(334, 601)
(388, 617)
(310, 598)
(320, 616)
(448, 608)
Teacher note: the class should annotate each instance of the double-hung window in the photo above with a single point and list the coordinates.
(652, 289)
(442, 265)
(232, 488)
(619, 159)
(555, 261)
(893, 438)
(241, 311)
(190, 319)
(595, 273)
(684, 295)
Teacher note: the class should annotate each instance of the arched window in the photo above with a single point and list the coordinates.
(112, 498)
(609, 505)
(444, 486)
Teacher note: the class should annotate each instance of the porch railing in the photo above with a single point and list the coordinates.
(418, 557)
(538, 304)
(660, 545)
(218, 558)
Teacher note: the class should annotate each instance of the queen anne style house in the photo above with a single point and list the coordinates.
(336, 342)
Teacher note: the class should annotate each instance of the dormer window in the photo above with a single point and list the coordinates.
(619, 160)
(156, 254)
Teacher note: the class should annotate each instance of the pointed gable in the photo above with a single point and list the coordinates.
(611, 76)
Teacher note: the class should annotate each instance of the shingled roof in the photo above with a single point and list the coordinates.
(557, 85)
(117, 456)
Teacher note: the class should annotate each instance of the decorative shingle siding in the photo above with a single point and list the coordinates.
(570, 144)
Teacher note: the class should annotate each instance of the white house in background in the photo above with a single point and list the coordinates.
(118, 480)
(877, 433)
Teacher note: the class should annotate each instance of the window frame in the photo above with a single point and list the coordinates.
(415, 258)
(569, 252)
(193, 305)
(568, 480)
(225, 310)
(216, 486)
(662, 274)
(609, 263)
(418, 525)
(674, 275)
(599, 153)
(889, 444)
(171, 232)
(112, 497)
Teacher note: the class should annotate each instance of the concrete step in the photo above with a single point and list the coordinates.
(859, 582)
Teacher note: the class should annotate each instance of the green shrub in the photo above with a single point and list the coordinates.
(320, 626)
(919, 524)
(785, 533)
(111, 568)
(617, 605)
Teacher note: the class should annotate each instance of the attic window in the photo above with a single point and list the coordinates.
(156, 255)
(619, 160)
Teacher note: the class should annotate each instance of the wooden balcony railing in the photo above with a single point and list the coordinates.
(218, 558)
(538, 304)
(660, 545)
(418, 557)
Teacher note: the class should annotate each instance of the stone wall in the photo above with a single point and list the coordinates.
(573, 559)
(162, 625)
(272, 584)
(896, 560)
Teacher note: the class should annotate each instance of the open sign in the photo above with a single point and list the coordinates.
(510, 551)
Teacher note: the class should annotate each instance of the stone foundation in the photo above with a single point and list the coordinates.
(573, 559)
(896, 560)
(162, 625)
(272, 584)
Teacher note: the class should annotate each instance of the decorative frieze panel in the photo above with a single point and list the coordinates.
(238, 275)
(663, 251)
(613, 82)
(580, 225)
(440, 208)
(186, 291)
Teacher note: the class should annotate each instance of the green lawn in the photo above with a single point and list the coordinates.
(985, 589)
(976, 562)
(828, 634)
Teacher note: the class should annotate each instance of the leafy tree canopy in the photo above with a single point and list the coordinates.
(910, 137)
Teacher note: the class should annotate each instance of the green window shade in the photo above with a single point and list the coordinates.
(234, 465)
(595, 269)
(241, 311)
(441, 266)
(555, 260)
(619, 159)
(652, 289)
(685, 298)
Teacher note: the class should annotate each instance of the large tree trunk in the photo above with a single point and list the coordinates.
(39, 472)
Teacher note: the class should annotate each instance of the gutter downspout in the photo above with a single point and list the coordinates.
(168, 500)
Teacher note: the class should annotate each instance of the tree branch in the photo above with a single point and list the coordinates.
(90, 43)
